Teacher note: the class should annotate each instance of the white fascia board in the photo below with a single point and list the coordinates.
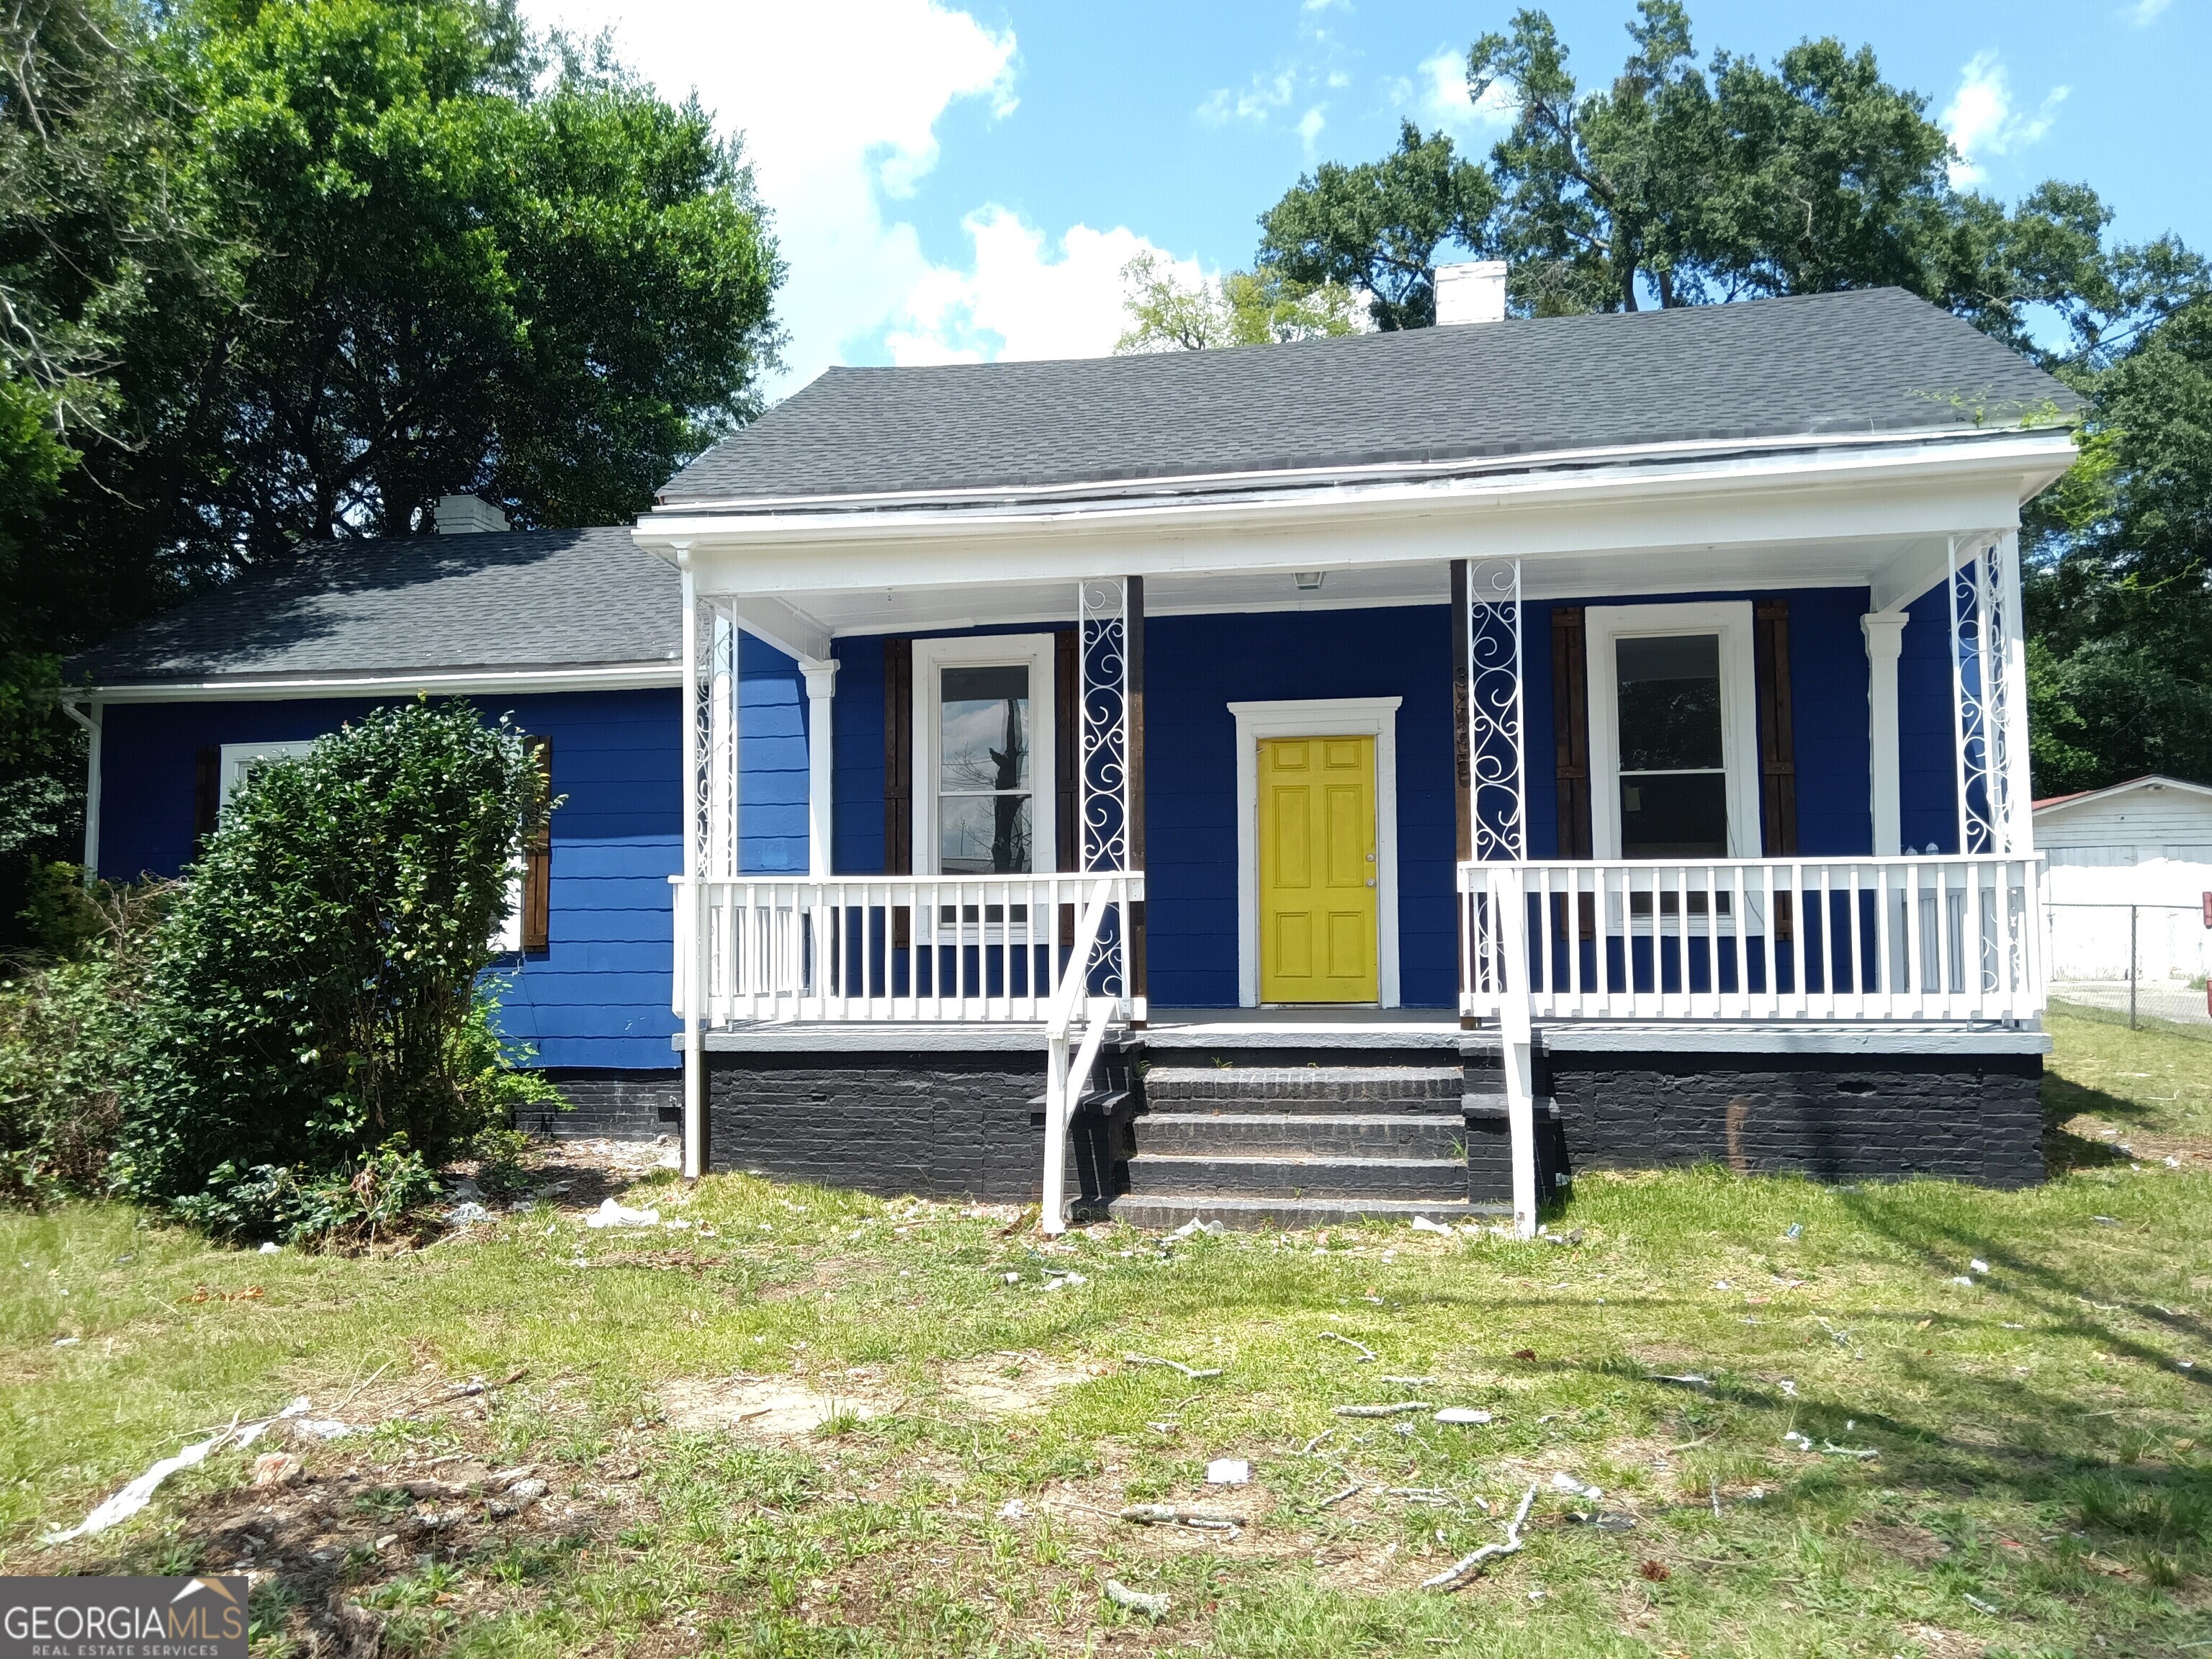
(1931, 488)
(502, 682)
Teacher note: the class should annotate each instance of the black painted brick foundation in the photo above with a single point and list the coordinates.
(936, 1125)
(1967, 1117)
(609, 1105)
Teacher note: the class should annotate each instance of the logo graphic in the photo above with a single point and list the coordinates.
(123, 1617)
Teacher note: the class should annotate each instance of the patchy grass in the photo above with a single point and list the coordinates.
(813, 1423)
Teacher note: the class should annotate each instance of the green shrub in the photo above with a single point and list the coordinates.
(314, 1019)
(68, 1036)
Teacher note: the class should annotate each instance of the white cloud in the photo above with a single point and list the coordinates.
(1266, 95)
(839, 122)
(1437, 97)
(1310, 124)
(1981, 122)
(2144, 12)
(1024, 299)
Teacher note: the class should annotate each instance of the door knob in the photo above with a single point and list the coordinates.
(1370, 881)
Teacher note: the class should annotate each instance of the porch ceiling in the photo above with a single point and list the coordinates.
(1898, 568)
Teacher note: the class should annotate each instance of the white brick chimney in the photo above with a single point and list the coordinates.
(468, 516)
(1471, 292)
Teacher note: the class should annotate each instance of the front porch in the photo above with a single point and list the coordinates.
(1121, 834)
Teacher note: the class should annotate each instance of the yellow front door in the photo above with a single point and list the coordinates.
(1317, 870)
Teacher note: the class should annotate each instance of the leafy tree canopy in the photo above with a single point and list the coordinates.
(1681, 185)
(1239, 308)
(2118, 583)
(281, 270)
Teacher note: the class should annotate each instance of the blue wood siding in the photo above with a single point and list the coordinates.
(857, 783)
(1194, 668)
(599, 996)
(772, 718)
(1927, 775)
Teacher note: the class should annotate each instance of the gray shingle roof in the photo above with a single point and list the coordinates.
(529, 599)
(1874, 361)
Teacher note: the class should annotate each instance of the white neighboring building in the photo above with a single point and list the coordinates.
(2146, 843)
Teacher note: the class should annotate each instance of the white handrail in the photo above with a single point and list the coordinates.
(1920, 937)
(1064, 1081)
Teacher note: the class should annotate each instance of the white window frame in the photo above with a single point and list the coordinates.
(1317, 717)
(1031, 651)
(237, 758)
(1604, 627)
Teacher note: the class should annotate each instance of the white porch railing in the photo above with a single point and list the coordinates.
(1936, 937)
(860, 948)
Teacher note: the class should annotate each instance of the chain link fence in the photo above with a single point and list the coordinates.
(2140, 962)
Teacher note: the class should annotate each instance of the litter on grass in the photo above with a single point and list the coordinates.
(1463, 1415)
(611, 1215)
(1366, 1354)
(1211, 1229)
(1423, 1225)
(1398, 1409)
(1562, 1481)
(1228, 1472)
(1152, 1607)
(1170, 1515)
(138, 1493)
(1194, 1373)
(1457, 1574)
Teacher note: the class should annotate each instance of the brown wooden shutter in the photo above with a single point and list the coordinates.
(207, 792)
(537, 862)
(1570, 728)
(1778, 743)
(1066, 735)
(898, 757)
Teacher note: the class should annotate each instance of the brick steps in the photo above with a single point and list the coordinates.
(1336, 1134)
(1247, 1213)
(1297, 1145)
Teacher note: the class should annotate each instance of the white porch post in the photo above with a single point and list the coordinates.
(2016, 819)
(92, 718)
(691, 930)
(1885, 643)
(1496, 770)
(821, 690)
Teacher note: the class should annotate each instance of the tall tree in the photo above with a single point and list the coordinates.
(1377, 227)
(1677, 184)
(96, 237)
(284, 271)
(2120, 579)
(1238, 308)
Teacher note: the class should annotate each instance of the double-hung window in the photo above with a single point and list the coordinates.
(241, 761)
(1674, 732)
(984, 762)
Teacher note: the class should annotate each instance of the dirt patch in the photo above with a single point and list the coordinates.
(1002, 1384)
(1906, 1543)
(771, 1407)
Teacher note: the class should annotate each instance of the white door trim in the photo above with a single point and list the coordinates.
(1033, 652)
(1604, 626)
(1317, 717)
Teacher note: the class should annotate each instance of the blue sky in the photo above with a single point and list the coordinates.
(957, 182)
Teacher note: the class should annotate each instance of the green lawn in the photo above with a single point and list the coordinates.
(2040, 1485)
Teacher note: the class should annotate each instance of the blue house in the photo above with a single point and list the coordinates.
(1367, 776)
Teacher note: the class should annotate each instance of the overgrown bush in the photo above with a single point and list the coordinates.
(314, 1023)
(69, 1033)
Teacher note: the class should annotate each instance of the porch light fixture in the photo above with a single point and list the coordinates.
(1309, 581)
